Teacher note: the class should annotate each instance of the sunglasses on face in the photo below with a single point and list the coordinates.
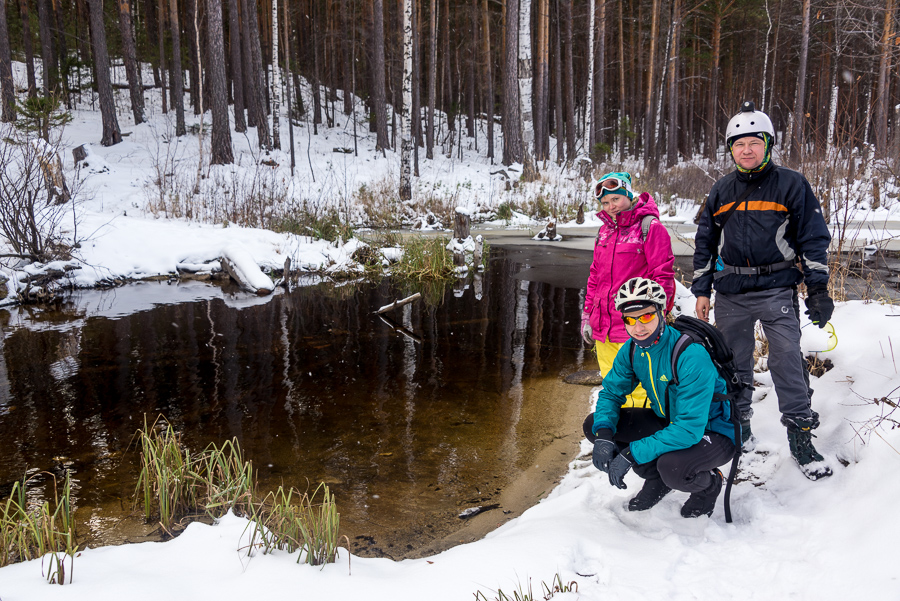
(645, 319)
(609, 184)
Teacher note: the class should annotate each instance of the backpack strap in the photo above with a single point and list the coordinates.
(682, 343)
(646, 222)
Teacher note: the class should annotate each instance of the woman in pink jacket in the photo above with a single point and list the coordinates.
(631, 242)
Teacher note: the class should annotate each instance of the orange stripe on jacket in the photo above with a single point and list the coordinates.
(754, 205)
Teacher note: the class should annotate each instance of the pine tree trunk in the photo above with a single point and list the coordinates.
(347, 22)
(7, 86)
(447, 84)
(49, 66)
(672, 86)
(432, 80)
(488, 76)
(712, 110)
(649, 115)
(152, 25)
(193, 56)
(111, 133)
(558, 103)
(161, 41)
(541, 73)
(62, 51)
(237, 69)
(378, 88)
(135, 85)
(405, 113)
(221, 128)
(471, 50)
(598, 101)
(25, 16)
(882, 94)
(624, 125)
(569, 78)
(800, 97)
(177, 72)
(256, 79)
(512, 117)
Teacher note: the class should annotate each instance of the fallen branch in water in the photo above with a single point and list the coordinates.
(398, 303)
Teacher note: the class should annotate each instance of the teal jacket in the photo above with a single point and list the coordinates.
(692, 412)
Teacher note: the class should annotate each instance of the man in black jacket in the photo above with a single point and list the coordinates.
(761, 233)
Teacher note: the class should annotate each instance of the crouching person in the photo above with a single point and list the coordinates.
(679, 443)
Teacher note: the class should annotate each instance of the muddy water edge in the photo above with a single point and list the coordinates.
(459, 403)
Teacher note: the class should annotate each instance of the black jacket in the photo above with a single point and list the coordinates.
(780, 221)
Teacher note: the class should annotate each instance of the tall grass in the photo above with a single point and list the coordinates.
(288, 520)
(29, 531)
(174, 484)
(425, 259)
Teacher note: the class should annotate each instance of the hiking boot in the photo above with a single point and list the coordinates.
(650, 494)
(799, 433)
(704, 502)
(748, 440)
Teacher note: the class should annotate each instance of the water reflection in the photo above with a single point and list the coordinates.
(315, 388)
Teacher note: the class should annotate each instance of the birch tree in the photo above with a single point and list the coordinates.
(796, 125)
(405, 116)
(589, 135)
(525, 78)
(275, 91)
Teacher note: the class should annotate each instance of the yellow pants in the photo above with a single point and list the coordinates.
(606, 354)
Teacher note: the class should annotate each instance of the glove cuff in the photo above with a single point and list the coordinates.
(604, 434)
(817, 289)
(626, 453)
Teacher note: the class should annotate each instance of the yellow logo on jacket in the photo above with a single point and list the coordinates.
(663, 378)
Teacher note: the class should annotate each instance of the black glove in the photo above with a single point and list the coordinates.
(604, 451)
(619, 467)
(819, 306)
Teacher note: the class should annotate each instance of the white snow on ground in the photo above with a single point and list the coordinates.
(792, 539)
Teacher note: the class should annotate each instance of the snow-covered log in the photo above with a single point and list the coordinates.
(244, 270)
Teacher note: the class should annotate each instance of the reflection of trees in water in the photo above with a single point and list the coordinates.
(310, 382)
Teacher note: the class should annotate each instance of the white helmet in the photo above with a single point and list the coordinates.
(638, 293)
(748, 121)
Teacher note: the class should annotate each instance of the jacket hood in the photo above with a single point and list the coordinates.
(643, 205)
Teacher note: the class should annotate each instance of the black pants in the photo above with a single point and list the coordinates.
(687, 469)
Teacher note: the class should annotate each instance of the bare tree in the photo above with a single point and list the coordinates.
(49, 65)
(7, 86)
(796, 125)
(432, 80)
(256, 84)
(512, 117)
(27, 45)
(672, 96)
(882, 93)
(378, 84)
(111, 133)
(526, 83)
(568, 77)
(237, 73)
(649, 131)
(488, 78)
(135, 85)
(177, 71)
(221, 128)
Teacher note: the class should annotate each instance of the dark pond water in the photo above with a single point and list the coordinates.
(407, 429)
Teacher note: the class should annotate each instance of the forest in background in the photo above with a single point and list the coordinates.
(653, 80)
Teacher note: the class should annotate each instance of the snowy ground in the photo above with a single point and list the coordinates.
(791, 539)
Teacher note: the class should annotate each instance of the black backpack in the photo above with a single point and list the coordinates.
(697, 331)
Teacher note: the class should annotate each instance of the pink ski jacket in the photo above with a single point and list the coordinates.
(619, 255)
